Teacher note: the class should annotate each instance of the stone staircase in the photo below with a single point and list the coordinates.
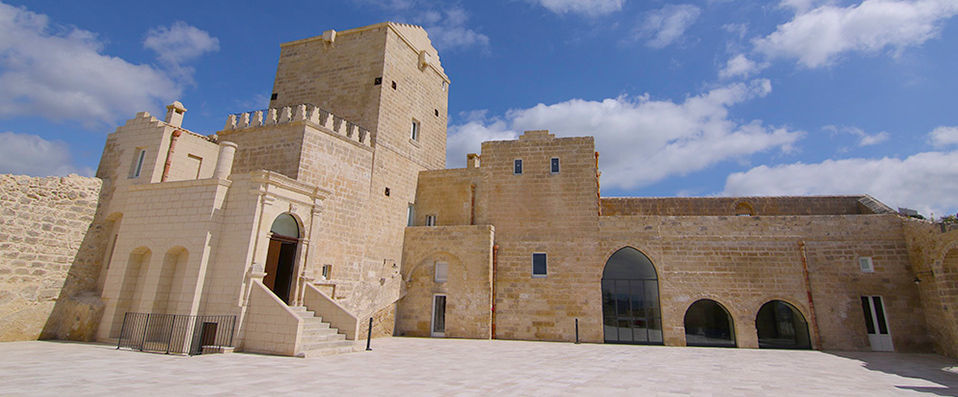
(318, 338)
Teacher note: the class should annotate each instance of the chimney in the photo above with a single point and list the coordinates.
(174, 114)
(472, 160)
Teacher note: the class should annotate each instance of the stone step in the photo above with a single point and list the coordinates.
(313, 347)
(319, 332)
(315, 325)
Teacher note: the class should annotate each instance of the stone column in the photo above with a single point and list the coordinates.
(224, 162)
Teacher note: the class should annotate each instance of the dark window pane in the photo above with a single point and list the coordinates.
(518, 167)
(539, 264)
(708, 324)
(629, 263)
(880, 313)
(869, 322)
(555, 165)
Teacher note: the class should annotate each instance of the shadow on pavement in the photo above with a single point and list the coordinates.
(929, 367)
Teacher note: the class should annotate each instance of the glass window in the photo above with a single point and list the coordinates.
(430, 220)
(781, 326)
(138, 163)
(410, 215)
(539, 267)
(707, 323)
(285, 225)
(555, 165)
(630, 299)
(517, 167)
(414, 130)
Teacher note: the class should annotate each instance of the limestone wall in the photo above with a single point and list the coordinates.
(468, 252)
(45, 234)
(718, 206)
(934, 256)
(449, 195)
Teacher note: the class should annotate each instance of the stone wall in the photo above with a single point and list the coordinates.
(933, 251)
(719, 206)
(47, 243)
(468, 288)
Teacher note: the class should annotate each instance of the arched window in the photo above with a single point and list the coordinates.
(781, 326)
(744, 209)
(630, 299)
(285, 226)
(707, 323)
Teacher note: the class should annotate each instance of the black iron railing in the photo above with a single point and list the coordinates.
(176, 333)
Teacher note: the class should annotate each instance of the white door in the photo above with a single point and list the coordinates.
(879, 335)
(438, 315)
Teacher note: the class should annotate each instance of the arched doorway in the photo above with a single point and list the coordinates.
(630, 299)
(707, 323)
(781, 326)
(281, 256)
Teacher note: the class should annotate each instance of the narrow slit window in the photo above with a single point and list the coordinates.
(410, 215)
(430, 220)
(555, 165)
(517, 167)
(539, 265)
(138, 163)
(414, 131)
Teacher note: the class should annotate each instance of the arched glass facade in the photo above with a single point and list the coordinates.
(781, 326)
(630, 299)
(707, 323)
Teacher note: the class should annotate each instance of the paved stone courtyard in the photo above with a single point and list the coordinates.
(412, 366)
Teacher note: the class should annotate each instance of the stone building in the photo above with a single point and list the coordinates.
(301, 222)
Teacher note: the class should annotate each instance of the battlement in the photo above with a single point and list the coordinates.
(305, 113)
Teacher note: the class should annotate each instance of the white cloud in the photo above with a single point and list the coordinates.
(641, 140)
(666, 25)
(864, 139)
(178, 44)
(737, 29)
(944, 136)
(448, 30)
(591, 8)
(740, 66)
(32, 155)
(924, 181)
(817, 36)
(63, 76)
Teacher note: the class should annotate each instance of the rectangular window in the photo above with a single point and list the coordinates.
(411, 215)
(539, 266)
(414, 131)
(442, 272)
(865, 263)
(430, 220)
(555, 165)
(327, 271)
(518, 167)
(138, 163)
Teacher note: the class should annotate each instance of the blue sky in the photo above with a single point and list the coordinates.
(701, 98)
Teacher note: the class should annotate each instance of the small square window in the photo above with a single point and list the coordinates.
(273, 97)
(539, 265)
(378, 81)
(442, 272)
(414, 131)
(394, 85)
(430, 220)
(555, 165)
(866, 265)
(327, 271)
(517, 168)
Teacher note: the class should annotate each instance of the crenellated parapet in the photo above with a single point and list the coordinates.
(304, 113)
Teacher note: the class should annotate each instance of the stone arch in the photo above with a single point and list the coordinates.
(133, 274)
(744, 208)
(709, 323)
(430, 260)
(781, 325)
(169, 286)
(631, 308)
